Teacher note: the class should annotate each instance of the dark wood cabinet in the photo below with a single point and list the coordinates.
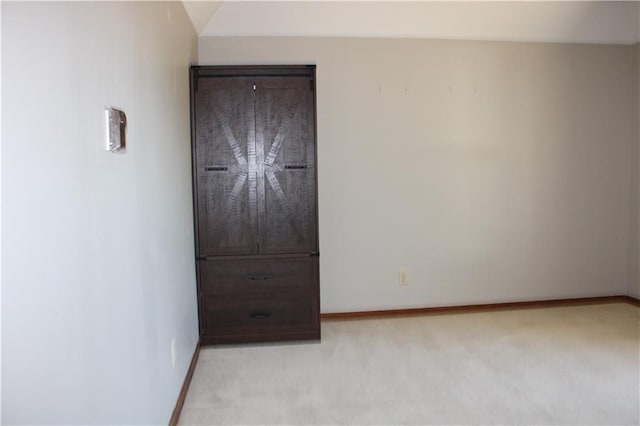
(254, 171)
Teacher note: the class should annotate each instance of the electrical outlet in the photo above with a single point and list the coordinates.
(174, 354)
(403, 278)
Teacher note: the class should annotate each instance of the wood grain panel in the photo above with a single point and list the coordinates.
(243, 276)
(225, 167)
(254, 314)
(285, 123)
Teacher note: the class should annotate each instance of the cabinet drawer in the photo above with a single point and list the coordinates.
(258, 275)
(259, 316)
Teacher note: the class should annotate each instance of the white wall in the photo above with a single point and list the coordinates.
(604, 22)
(97, 248)
(491, 171)
(634, 281)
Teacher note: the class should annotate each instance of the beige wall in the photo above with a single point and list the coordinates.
(97, 248)
(490, 171)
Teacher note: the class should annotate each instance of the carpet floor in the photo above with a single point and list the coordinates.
(561, 365)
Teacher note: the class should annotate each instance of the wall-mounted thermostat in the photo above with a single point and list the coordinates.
(115, 129)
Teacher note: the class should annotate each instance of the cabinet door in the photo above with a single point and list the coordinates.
(225, 166)
(285, 138)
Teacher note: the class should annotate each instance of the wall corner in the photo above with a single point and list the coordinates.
(633, 288)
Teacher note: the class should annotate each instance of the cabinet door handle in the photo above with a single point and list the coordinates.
(260, 314)
(259, 277)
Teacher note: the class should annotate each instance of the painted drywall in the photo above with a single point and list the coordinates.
(98, 259)
(200, 12)
(605, 22)
(490, 171)
(634, 279)
(1, 228)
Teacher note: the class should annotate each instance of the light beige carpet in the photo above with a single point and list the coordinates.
(567, 365)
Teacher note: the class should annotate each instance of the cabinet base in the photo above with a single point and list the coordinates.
(260, 338)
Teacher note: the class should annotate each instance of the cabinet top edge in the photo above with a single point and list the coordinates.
(253, 70)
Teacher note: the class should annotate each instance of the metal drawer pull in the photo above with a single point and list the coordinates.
(215, 168)
(294, 167)
(259, 314)
(259, 277)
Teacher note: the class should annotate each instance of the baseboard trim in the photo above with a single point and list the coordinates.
(481, 307)
(632, 300)
(185, 387)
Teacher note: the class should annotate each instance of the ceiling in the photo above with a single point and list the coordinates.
(608, 22)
